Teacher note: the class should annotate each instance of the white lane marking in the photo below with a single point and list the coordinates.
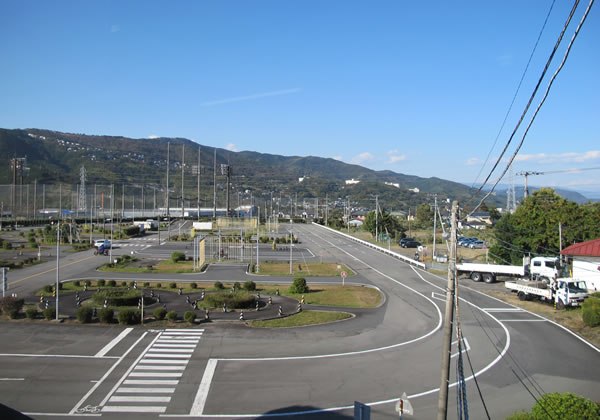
(523, 320)
(162, 367)
(202, 394)
(58, 356)
(200, 330)
(171, 356)
(146, 390)
(86, 396)
(120, 381)
(133, 409)
(150, 382)
(155, 375)
(134, 398)
(177, 346)
(162, 342)
(113, 343)
(12, 379)
(165, 362)
(503, 309)
(181, 351)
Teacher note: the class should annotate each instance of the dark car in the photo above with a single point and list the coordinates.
(404, 240)
(411, 244)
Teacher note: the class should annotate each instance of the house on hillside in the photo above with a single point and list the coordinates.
(482, 216)
(352, 181)
(585, 260)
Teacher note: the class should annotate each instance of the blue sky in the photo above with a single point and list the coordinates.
(419, 88)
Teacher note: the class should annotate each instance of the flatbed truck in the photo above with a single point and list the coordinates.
(562, 291)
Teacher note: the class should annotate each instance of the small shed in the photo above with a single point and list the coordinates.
(586, 262)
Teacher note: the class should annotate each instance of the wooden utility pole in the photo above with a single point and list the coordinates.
(182, 169)
(448, 320)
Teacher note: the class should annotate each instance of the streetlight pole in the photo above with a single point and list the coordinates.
(257, 236)
(57, 261)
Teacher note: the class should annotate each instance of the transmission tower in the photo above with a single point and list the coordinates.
(511, 203)
(82, 195)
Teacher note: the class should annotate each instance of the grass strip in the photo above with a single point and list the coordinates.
(302, 319)
(303, 269)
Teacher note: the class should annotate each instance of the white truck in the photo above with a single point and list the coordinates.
(540, 268)
(562, 291)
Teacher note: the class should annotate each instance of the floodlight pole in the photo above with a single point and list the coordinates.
(57, 261)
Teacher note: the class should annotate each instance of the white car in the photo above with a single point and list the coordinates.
(99, 242)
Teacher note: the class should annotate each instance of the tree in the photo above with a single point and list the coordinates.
(424, 215)
(386, 223)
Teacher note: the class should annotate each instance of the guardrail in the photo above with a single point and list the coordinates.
(376, 247)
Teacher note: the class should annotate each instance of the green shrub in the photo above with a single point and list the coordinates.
(88, 283)
(131, 283)
(101, 283)
(523, 415)
(249, 285)
(128, 317)
(566, 406)
(111, 283)
(106, 315)
(177, 256)
(77, 283)
(49, 313)
(172, 285)
(48, 288)
(159, 313)
(237, 300)
(132, 230)
(60, 286)
(237, 285)
(591, 311)
(158, 285)
(218, 285)
(84, 314)
(299, 286)
(31, 312)
(7, 245)
(172, 316)
(117, 297)
(189, 316)
(194, 285)
(123, 284)
(11, 306)
(146, 284)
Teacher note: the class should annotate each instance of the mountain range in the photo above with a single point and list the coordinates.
(55, 157)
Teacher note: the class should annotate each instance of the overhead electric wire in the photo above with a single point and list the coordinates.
(531, 98)
(516, 93)
(561, 65)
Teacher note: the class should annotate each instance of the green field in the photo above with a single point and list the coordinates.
(331, 295)
(303, 269)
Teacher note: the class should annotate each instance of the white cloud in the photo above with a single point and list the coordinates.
(395, 156)
(341, 159)
(473, 161)
(153, 136)
(363, 157)
(231, 147)
(250, 97)
(560, 157)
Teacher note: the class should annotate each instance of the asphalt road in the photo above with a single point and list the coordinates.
(228, 370)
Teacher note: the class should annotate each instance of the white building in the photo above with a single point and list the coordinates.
(352, 181)
(586, 262)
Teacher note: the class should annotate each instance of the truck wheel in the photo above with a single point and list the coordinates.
(488, 278)
(476, 276)
(522, 296)
(560, 304)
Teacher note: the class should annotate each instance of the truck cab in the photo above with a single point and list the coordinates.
(570, 292)
(544, 268)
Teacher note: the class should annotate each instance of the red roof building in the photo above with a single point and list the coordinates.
(583, 249)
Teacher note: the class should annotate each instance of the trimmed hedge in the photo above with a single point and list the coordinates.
(172, 316)
(299, 286)
(160, 313)
(172, 285)
(31, 312)
(111, 283)
(591, 311)
(128, 317)
(84, 314)
(101, 282)
(106, 315)
(237, 300)
(49, 313)
(11, 306)
(117, 297)
(189, 316)
(194, 285)
(249, 285)
(218, 285)
(177, 256)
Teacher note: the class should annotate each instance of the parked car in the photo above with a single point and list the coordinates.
(467, 242)
(411, 244)
(460, 241)
(404, 240)
(477, 244)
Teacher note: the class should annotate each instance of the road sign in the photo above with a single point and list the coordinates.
(403, 406)
(344, 275)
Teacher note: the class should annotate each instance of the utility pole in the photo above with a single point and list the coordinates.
(434, 224)
(376, 218)
(182, 168)
(326, 209)
(167, 197)
(215, 186)
(198, 201)
(448, 320)
(57, 262)
(257, 237)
